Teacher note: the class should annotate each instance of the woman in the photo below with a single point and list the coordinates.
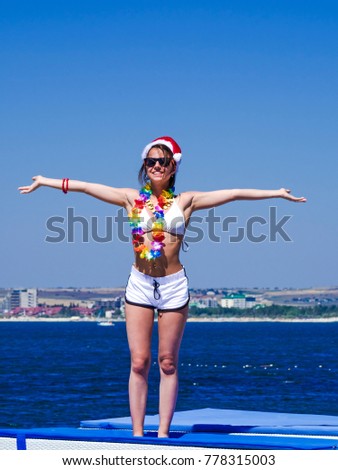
(157, 280)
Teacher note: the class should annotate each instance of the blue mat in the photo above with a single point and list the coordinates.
(216, 420)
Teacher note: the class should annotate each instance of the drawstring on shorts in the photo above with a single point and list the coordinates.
(157, 294)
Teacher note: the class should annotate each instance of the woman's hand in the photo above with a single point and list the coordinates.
(286, 194)
(29, 189)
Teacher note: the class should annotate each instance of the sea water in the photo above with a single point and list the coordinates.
(59, 373)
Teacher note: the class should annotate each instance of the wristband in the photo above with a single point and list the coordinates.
(65, 185)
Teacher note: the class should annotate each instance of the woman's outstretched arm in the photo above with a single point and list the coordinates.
(208, 199)
(119, 196)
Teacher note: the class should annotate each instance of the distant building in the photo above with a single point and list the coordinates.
(14, 299)
(35, 311)
(206, 302)
(5, 304)
(236, 300)
(211, 293)
(250, 302)
(114, 302)
(26, 298)
(233, 301)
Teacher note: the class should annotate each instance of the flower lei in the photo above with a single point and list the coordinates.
(164, 201)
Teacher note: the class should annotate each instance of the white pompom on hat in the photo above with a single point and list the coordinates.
(168, 142)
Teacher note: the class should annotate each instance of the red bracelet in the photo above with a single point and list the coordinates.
(65, 185)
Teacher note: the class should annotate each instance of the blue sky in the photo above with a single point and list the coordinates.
(248, 89)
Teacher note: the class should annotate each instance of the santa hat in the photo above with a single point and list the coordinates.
(168, 142)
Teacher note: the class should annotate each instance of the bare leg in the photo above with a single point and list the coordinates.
(139, 322)
(170, 330)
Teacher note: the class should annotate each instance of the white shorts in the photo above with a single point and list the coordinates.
(163, 293)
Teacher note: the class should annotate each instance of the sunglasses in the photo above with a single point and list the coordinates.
(163, 161)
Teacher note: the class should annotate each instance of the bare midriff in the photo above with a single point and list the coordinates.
(167, 263)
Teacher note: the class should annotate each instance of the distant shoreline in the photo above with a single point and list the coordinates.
(190, 320)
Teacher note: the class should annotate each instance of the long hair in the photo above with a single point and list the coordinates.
(142, 174)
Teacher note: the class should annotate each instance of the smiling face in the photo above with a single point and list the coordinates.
(159, 167)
